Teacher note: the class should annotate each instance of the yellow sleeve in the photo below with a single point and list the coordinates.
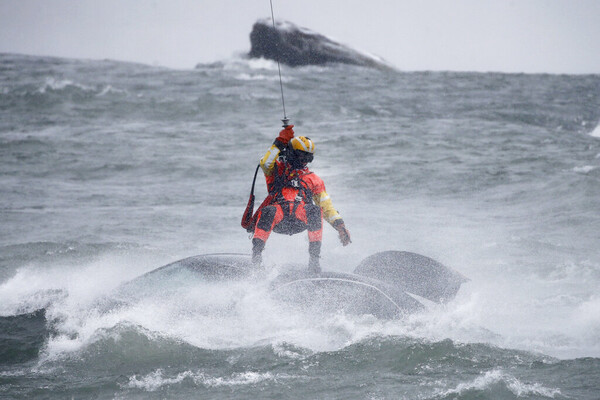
(267, 163)
(329, 212)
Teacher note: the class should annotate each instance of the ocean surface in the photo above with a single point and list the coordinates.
(109, 170)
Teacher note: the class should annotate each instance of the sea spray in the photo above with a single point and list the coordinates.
(478, 171)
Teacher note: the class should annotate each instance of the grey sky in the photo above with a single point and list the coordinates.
(555, 36)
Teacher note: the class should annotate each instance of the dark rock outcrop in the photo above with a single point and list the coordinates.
(296, 46)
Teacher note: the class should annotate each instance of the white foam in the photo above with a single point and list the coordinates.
(585, 169)
(243, 64)
(281, 351)
(61, 84)
(262, 63)
(496, 376)
(53, 84)
(500, 306)
(26, 292)
(157, 379)
(210, 316)
(245, 378)
(259, 77)
(596, 132)
(108, 89)
(70, 296)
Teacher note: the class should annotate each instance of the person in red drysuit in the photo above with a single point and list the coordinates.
(297, 198)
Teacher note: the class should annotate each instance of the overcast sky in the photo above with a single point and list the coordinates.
(555, 36)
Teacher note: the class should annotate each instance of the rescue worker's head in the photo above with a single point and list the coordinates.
(300, 151)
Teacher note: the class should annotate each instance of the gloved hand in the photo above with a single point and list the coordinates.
(285, 136)
(342, 231)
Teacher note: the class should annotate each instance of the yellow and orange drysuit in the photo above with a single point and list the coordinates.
(297, 198)
(291, 194)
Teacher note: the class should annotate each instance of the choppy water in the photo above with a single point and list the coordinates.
(109, 170)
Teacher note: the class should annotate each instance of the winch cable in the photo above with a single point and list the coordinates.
(285, 119)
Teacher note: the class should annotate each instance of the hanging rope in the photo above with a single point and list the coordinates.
(285, 118)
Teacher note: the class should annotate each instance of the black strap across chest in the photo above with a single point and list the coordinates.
(289, 179)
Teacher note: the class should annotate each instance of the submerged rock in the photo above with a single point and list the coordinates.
(386, 285)
(296, 46)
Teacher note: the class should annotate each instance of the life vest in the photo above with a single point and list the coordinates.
(287, 188)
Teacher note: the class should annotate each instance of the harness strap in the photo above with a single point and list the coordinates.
(295, 207)
(282, 180)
